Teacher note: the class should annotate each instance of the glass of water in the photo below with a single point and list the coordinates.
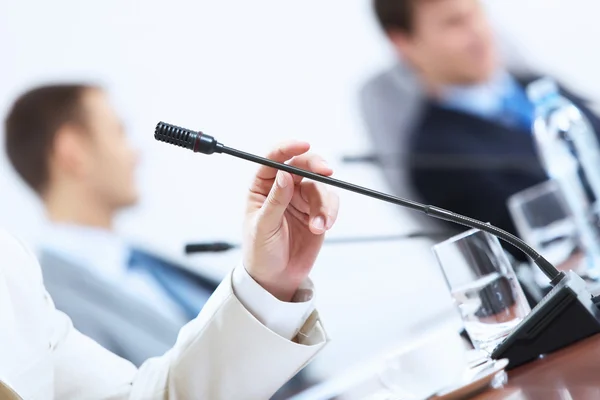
(483, 285)
(544, 220)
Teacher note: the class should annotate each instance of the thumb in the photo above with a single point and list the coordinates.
(277, 201)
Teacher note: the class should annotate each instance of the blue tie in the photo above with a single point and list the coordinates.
(517, 110)
(188, 290)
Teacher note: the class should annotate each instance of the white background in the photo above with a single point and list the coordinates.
(253, 73)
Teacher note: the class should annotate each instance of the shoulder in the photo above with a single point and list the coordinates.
(11, 247)
(16, 257)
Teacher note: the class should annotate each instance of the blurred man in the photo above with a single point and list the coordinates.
(258, 328)
(476, 114)
(68, 145)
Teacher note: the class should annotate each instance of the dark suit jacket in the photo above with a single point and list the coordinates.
(472, 165)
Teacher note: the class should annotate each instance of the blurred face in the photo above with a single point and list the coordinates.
(451, 43)
(109, 161)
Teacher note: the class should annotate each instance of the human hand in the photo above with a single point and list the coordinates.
(286, 220)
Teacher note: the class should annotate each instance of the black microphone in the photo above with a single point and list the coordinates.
(206, 144)
(220, 247)
(567, 314)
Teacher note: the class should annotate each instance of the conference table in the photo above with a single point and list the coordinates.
(572, 373)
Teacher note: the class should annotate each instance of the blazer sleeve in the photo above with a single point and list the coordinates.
(225, 353)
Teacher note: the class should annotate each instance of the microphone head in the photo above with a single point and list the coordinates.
(198, 142)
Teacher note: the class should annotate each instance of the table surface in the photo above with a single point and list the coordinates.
(572, 373)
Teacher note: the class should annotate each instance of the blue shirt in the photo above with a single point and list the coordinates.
(502, 100)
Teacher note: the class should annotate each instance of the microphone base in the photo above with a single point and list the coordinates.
(567, 314)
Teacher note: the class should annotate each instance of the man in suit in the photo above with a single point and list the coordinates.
(67, 143)
(472, 146)
(256, 331)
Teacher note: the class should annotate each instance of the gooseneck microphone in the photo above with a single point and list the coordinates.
(206, 144)
(567, 314)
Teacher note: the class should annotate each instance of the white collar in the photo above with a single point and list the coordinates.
(100, 250)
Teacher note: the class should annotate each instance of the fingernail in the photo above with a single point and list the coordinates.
(281, 181)
(319, 223)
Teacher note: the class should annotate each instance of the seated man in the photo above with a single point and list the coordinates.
(476, 116)
(256, 331)
(67, 143)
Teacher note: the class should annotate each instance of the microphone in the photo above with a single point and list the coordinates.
(220, 247)
(567, 314)
(199, 142)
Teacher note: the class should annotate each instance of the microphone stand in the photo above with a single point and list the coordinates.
(567, 314)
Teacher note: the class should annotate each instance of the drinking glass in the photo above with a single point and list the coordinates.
(483, 286)
(543, 219)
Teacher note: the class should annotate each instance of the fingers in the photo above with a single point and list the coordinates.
(313, 203)
(264, 176)
(282, 153)
(333, 209)
(323, 206)
(277, 202)
(310, 162)
(294, 151)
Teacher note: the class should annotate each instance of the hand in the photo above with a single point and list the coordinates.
(286, 219)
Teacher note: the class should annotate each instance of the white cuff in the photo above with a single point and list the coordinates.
(285, 319)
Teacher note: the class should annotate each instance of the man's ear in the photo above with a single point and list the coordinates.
(70, 152)
(403, 43)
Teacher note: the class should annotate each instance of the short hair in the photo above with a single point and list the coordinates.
(32, 124)
(395, 15)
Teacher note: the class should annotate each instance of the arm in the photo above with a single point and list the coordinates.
(240, 346)
(225, 353)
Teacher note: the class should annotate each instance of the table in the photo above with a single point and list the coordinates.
(572, 373)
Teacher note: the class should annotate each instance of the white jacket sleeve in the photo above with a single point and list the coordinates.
(225, 353)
